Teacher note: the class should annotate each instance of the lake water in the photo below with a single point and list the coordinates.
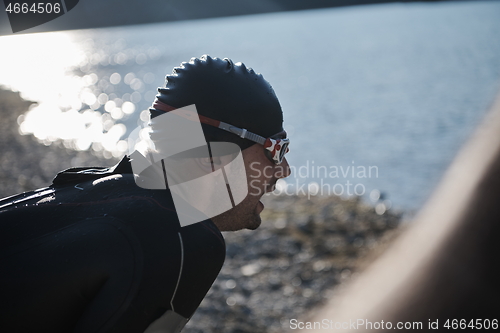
(388, 91)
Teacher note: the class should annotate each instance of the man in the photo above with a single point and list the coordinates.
(127, 248)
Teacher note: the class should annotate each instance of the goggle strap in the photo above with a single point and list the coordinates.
(255, 138)
(241, 132)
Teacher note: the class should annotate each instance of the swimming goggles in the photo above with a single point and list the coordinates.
(275, 149)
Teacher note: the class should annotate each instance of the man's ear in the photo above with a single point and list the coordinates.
(205, 163)
(209, 164)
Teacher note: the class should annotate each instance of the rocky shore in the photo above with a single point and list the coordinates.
(303, 252)
(290, 265)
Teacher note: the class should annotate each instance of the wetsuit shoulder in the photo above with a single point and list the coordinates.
(102, 255)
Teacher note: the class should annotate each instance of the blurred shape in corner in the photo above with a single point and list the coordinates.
(28, 14)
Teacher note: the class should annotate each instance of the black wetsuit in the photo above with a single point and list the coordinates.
(96, 253)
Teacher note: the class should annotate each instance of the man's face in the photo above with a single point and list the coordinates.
(262, 175)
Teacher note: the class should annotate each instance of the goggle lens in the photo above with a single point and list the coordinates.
(276, 149)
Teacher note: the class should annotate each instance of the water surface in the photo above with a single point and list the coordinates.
(395, 89)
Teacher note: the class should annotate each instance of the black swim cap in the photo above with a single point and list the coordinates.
(224, 91)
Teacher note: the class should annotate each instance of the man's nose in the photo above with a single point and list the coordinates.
(282, 169)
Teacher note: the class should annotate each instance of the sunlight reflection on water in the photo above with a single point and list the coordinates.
(77, 104)
(399, 87)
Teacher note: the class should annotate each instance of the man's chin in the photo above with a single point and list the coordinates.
(255, 223)
(256, 219)
(233, 222)
(246, 216)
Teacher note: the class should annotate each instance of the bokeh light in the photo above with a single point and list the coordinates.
(84, 92)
